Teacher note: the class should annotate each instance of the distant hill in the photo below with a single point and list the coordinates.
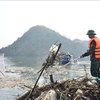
(37, 41)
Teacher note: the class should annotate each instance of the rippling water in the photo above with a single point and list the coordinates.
(75, 70)
(9, 93)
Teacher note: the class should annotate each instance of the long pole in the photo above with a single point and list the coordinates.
(75, 60)
(43, 70)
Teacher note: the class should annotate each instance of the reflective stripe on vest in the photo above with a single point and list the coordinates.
(97, 49)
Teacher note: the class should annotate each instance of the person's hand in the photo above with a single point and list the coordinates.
(81, 56)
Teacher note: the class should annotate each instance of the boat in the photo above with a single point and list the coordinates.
(63, 58)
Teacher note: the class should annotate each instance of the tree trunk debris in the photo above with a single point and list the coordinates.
(71, 89)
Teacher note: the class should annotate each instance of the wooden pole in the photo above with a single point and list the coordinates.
(46, 65)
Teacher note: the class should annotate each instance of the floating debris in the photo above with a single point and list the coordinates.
(70, 89)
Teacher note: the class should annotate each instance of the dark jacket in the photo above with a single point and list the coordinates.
(91, 51)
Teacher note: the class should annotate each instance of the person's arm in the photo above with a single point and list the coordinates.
(91, 50)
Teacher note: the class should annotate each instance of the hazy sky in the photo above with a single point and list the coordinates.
(69, 18)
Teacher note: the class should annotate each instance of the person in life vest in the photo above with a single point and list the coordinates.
(94, 53)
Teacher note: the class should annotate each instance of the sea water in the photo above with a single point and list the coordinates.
(10, 93)
(7, 93)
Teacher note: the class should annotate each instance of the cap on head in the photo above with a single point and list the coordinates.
(91, 32)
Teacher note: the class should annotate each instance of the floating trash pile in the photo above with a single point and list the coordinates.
(69, 89)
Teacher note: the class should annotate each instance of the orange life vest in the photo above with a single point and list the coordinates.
(97, 48)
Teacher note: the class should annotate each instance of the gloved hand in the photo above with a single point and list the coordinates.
(81, 56)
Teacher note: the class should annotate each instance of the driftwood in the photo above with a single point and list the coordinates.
(71, 89)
